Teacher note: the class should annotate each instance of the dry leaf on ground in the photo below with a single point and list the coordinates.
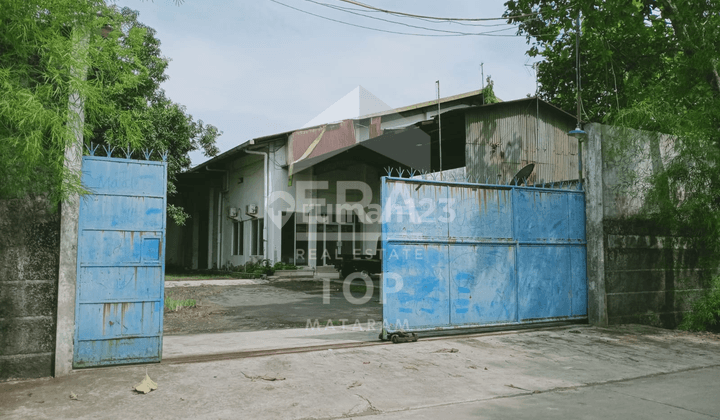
(146, 385)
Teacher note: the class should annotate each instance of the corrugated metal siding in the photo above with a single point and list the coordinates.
(334, 137)
(501, 140)
(375, 128)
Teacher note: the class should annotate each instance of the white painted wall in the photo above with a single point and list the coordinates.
(251, 191)
(239, 195)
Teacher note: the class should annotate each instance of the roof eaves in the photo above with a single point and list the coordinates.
(514, 101)
(231, 152)
(424, 104)
(271, 137)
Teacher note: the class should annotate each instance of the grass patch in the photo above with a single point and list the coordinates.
(705, 314)
(358, 288)
(196, 276)
(175, 304)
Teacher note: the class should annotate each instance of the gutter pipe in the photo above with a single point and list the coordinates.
(265, 193)
(218, 259)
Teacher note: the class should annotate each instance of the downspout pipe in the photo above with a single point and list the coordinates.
(265, 193)
(227, 181)
(218, 259)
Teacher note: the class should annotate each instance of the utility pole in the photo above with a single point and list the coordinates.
(482, 78)
(578, 132)
(579, 98)
(439, 128)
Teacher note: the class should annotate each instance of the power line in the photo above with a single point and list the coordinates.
(419, 18)
(388, 31)
(357, 3)
(343, 9)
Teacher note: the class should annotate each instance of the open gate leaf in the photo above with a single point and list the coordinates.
(146, 385)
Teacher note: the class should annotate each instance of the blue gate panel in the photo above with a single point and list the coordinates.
(487, 255)
(120, 247)
(540, 215)
(578, 272)
(481, 213)
(104, 321)
(121, 177)
(134, 350)
(423, 299)
(110, 212)
(543, 282)
(123, 284)
(576, 217)
(120, 273)
(412, 210)
(482, 284)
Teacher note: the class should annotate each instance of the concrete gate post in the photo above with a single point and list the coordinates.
(69, 215)
(67, 276)
(597, 304)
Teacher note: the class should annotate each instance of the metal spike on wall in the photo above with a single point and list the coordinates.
(128, 152)
(147, 153)
(92, 148)
(108, 152)
(388, 170)
(164, 155)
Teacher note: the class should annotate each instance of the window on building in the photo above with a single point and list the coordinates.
(238, 236)
(257, 245)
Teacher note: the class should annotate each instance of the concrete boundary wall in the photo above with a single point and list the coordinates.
(638, 270)
(29, 255)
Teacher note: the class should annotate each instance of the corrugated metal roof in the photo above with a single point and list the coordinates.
(425, 104)
(420, 105)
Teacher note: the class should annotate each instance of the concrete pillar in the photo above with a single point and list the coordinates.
(69, 214)
(67, 275)
(195, 237)
(597, 304)
(211, 229)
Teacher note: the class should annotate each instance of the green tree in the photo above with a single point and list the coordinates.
(124, 104)
(651, 65)
(133, 111)
(36, 78)
(489, 92)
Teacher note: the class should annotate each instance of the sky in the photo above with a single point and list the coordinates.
(254, 68)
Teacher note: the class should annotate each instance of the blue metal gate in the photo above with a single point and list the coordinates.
(120, 274)
(459, 255)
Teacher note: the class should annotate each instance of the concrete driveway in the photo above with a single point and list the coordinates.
(261, 305)
(570, 372)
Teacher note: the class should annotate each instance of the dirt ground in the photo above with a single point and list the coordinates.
(205, 316)
(276, 305)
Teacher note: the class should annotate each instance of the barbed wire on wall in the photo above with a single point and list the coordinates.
(458, 177)
(92, 148)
